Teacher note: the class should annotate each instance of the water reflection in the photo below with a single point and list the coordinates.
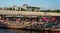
(17, 31)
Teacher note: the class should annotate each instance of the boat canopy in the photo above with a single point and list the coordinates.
(27, 13)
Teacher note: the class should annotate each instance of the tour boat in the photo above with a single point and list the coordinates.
(9, 14)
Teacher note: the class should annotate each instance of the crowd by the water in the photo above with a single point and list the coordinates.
(30, 24)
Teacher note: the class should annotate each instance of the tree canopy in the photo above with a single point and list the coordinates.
(57, 11)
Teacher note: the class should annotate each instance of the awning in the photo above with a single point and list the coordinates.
(13, 16)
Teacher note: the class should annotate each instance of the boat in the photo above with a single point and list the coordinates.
(23, 14)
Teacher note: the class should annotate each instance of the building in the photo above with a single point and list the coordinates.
(25, 7)
(30, 8)
(16, 8)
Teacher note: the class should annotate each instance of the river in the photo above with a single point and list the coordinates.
(3, 30)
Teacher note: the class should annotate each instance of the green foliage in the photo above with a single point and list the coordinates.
(57, 11)
(38, 18)
(10, 8)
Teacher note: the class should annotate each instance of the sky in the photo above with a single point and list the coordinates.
(44, 4)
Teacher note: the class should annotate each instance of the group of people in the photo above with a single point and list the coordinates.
(33, 23)
(47, 18)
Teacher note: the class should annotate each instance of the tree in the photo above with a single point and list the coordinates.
(58, 11)
(32, 9)
(38, 18)
(10, 8)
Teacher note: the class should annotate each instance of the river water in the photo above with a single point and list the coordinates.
(3, 30)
